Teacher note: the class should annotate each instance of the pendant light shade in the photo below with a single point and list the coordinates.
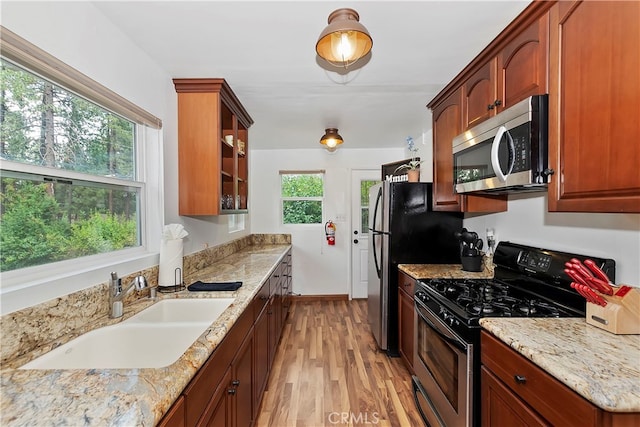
(331, 139)
(345, 40)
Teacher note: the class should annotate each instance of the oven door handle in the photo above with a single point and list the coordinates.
(417, 388)
(451, 340)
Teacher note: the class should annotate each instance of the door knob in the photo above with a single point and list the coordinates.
(355, 241)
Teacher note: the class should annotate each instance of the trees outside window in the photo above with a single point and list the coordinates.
(302, 195)
(68, 174)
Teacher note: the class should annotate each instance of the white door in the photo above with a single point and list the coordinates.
(361, 181)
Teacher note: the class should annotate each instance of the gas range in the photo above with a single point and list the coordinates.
(528, 282)
(472, 299)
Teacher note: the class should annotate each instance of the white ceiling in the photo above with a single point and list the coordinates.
(266, 51)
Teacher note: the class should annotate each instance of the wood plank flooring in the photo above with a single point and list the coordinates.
(328, 371)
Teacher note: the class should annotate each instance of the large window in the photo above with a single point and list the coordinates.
(80, 179)
(67, 183)
(302, 194)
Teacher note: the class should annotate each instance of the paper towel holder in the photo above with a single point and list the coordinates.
(178, 284)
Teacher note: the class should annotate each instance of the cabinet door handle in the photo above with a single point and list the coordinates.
(490, 107)
(520, 379)
(497, 103)
(231, 391)
(235, 383)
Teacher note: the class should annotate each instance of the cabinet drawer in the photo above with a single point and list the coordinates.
(554, 401)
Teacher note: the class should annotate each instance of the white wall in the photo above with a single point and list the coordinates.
(528, 221)
(78, 34)
(318, 269)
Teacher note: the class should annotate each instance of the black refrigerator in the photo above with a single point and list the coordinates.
(403, 230)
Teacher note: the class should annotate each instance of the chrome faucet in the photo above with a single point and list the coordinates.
(117, 293)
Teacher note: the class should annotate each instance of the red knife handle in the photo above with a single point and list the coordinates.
(597, 298)
(580, 268)
(597, 271)
(574, 275)
(601, 286)
(577, 286)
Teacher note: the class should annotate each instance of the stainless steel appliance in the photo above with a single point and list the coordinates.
(403, 229)
(528, 282)
(506, 153)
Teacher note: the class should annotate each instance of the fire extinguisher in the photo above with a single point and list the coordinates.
(330, 232)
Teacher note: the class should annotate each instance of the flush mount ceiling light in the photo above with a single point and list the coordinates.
(345, 40)
(331, 139)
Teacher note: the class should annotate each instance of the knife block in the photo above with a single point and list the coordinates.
(621, 315)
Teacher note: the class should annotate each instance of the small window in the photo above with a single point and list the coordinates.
(302, 195)
(365, 185)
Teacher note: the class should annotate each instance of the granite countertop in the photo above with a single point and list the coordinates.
(127, 397)
(602, 367)
(445, 271)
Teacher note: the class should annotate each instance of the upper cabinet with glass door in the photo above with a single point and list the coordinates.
(213, 134)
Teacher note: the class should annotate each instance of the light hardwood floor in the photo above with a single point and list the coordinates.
(329, 372)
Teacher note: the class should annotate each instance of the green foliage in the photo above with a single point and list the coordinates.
(46, 125)
(31, 233)
(101, 233)
(302, 185)
(36, 230)
(302, 211)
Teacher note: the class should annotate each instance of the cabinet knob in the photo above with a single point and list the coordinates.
(235, 383)
(490, 107)
(355, 241)
(497, 103)
(231, 391)
(520, 379)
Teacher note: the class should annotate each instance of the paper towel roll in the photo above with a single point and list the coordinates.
(171, 252)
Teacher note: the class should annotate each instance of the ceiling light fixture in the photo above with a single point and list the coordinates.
(345, 40)
(331, 139)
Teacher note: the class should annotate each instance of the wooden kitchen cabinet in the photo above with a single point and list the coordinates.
(407, 318)
(212, 173)
(517, 71)
(261, 356)
(268, 306)
(175, 416)
(594, 106)
(447, 124)
(286, 286)
(511, 68)
(241, 385)
(517, 392)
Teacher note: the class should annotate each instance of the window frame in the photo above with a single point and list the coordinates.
(31, 285)
(321, 199)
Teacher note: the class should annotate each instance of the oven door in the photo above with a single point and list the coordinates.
(443, 364)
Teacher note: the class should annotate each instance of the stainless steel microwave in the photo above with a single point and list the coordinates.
(507, 153)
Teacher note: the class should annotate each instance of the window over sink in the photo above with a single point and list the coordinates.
(79, 175)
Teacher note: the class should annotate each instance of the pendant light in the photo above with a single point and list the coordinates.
(345, 40)
(331, 139)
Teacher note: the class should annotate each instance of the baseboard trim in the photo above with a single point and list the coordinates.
(304, 298)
